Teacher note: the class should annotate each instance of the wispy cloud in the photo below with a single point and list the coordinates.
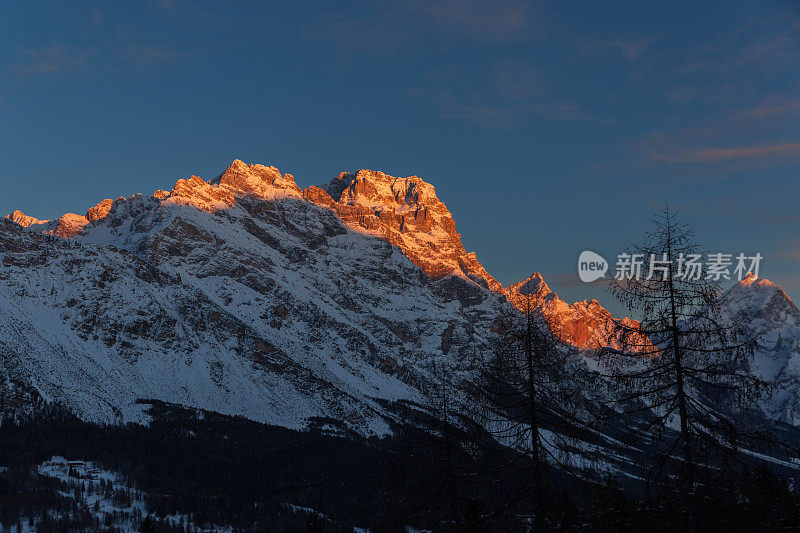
(632, 49)
(773, 108)
(519, 80)
(52, 59)
(485, 20)
(503, 114)
(60, 59)
(143, 54)
(390, 27)
(192, 15)
(373, 36)
(791, 249)
(773, 152)
(767, 46)
(509, 117)
(501, 96)
(731, 137)
(780, 220)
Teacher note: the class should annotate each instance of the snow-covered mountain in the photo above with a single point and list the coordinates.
(244, 295)
(247, 295)
(769, 312)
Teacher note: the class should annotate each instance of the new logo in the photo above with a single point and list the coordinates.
(591, 266)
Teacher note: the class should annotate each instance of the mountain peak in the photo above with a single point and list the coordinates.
(585, 324)
(533, 286)
(237, 165)
(405, 212)
(239, 179)
(750, 279)
(377, 190)
(70, 224)
(257, 180)
(753, 282)
(24, 220)
(752, 297)
(337, 185)
(197, 192)
(100, 210)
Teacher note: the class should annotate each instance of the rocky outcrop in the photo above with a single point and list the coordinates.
(24, 220)
(404, 211)
(407, 213)
(200, 194)
(70, 225)
(100, 210)
(586, 325)
(257, 180)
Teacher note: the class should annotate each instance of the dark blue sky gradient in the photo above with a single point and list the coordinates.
(547, 128)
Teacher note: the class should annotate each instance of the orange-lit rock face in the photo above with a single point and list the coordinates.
(407, 212)
(239, 179)
(100, 210)
(70, 225)
(257, 180)
(198, 193)
(586, 325)
(24, 220)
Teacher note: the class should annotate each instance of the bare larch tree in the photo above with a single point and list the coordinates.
(524, 398)
(684, 363)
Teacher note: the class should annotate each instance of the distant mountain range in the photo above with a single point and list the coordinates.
(308, 307)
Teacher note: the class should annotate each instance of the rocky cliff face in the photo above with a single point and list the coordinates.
(24, 220)
(408, 214)
(586, 325)
(68, 225)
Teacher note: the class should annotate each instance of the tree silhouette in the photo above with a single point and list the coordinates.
(526, 400)
(684, 364)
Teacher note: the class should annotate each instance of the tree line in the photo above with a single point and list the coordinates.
(677, 386)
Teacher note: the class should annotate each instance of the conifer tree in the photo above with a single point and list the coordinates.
(683, 366)
(527, 401)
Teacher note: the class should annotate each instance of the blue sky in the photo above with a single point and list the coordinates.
(547, 128)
